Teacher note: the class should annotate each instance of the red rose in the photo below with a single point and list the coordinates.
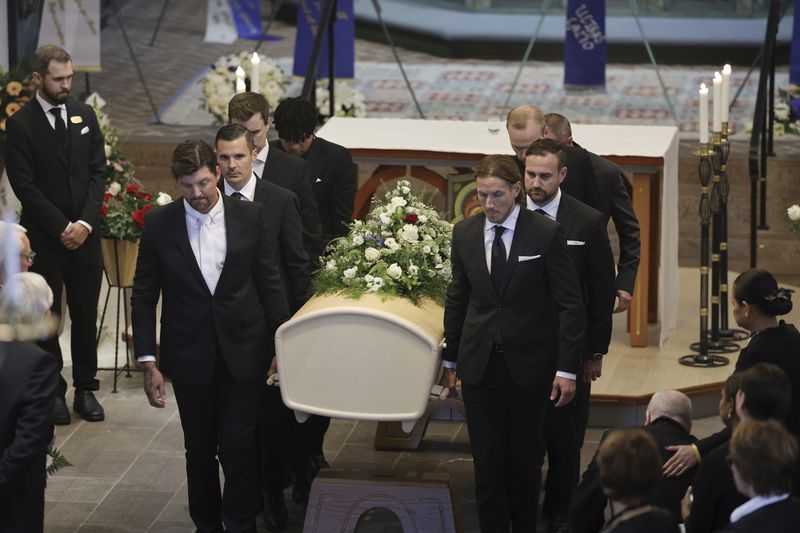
(147, 207)
(145, 196)
(411, 218)
(132, 188)
(138, 217)
(103, 211)
(106, 196)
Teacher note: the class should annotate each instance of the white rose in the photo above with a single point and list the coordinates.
(385, 219)
(371, 254)
(794, 213)
(358, 240)
(423, 219)
(391, 244)
(394, 271)
(331, 265)
(107, 149)
(163, 198)
(368, 278)
(398, 201)
(405, 190)
(114, 188)
(413, 270)
(409, 233)
(350, 273)
(426, 249)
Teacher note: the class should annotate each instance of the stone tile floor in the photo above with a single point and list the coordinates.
(128, 472)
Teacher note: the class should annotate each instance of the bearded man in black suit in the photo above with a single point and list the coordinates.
(56, 164)
(251, 110)
(614, 202)
(329, 165)
(587, 242)
(211, 260)
(513, 324)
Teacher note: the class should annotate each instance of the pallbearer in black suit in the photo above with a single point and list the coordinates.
(513, 324)
(526, 124)
(329, 165)
(251, 110)
(212, 261)
(283, 453)
(587, 242)
(614, 202)
(57, 167)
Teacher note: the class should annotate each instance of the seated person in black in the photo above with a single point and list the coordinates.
(668, 419)
(764, 394)
(756, 301)
(629, 470)
(763, 455)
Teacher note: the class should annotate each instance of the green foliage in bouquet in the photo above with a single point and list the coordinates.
(16, 90)
(402, 249)
(55, 461)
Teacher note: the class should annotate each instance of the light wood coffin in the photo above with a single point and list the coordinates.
(364, 359)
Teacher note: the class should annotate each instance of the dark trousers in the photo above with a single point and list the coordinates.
(563, 454)
(286, 446)
(219, 420)
(22, 508)
(80, 273)
(583, 395)
(504, 422)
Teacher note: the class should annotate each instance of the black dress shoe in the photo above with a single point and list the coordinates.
(60, 412)
(87, 406)
(275, 511)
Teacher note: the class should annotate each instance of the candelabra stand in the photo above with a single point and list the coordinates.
(725, 332)
(703, 357)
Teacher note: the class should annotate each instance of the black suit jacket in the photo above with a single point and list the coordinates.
(28, 379)
(614, 202)
(241, 316)
(594, 266)
(714, 493)
(589, 501)
(538, 314)
(290, 173)
(778, 517)
(282, 211)
(54, 187)
(333, 175)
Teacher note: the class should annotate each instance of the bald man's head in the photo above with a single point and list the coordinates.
(670, 404)
(525, 124)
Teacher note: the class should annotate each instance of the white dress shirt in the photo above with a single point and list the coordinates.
(47, 106)
(248, 190)
(261, 161)
(754, 504)
(209, 245)
(550, 208)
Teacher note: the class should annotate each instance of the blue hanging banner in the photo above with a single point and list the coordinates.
(585, 43)
(344, 33)
(247, 17)
(794, 60)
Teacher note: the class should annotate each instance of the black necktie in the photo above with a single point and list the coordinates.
(238, 195)
(498, 258)
(541, 212)
(61, 128)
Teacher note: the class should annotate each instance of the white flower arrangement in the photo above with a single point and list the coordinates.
(793, 213)
(348, 102)
(402, 249)
(219, 84)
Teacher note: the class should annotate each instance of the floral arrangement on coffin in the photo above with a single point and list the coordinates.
(348, 102)
(219, 84)
(794, 217)
(402, 249)
(16, 90)
(787, 111)
(125, 201)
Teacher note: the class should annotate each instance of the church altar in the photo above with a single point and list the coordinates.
(648, 154)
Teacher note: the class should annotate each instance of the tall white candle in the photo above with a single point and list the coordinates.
(240, 86)
(726, 91)
(703, 113)
(255, 73)
(717, 104)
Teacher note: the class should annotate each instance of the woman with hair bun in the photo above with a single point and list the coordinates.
(757, 302)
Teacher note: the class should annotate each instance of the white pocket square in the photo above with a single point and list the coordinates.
(522, 258)
(85, 130)
(575, 243)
